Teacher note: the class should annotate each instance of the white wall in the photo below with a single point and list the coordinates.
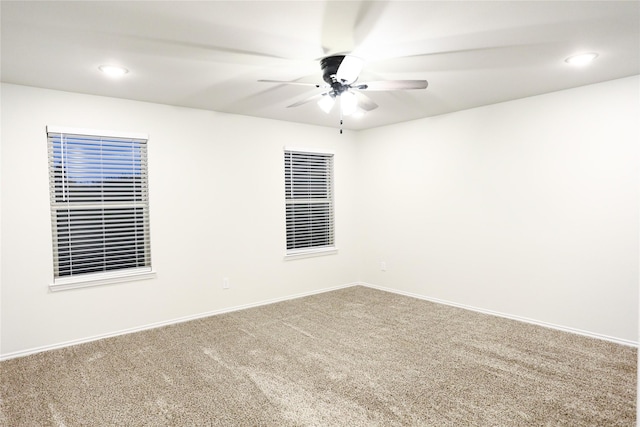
(527, 208)
(217, 210)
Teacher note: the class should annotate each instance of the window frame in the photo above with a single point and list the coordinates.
(108, 276)
(319, 250)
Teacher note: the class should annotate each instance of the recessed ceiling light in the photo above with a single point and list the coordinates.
(113, 70)
(581, 59)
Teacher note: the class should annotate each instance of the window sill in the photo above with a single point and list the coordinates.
(99, 279)
(308, 253)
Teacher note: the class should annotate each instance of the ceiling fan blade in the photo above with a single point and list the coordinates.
(393, 85)
(337, 26)
(312, 98)
(364, 102)
(349, 69)
(346, 24)
(289, 83)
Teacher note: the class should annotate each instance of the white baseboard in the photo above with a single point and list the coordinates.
(167, 322)
(507, 316)
(27, 352)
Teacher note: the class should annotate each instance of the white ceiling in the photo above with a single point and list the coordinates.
(210, 54)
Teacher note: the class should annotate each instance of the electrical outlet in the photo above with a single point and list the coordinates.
(383, 265)
(225, 283)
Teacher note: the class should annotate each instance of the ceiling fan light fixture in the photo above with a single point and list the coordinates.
(348, 103)
(340, 72)
(581, 59)
(349, 69)
(326, 103)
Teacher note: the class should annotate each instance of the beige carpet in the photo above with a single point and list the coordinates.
(352, 357)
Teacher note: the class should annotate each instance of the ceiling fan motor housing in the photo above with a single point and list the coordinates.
(330, 66)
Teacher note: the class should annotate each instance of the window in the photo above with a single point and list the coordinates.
(309, 202)
(99, 207)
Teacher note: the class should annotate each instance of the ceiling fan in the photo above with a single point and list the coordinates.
(340, 73)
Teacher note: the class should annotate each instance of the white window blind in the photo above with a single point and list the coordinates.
(99, 204)
(309, 200)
